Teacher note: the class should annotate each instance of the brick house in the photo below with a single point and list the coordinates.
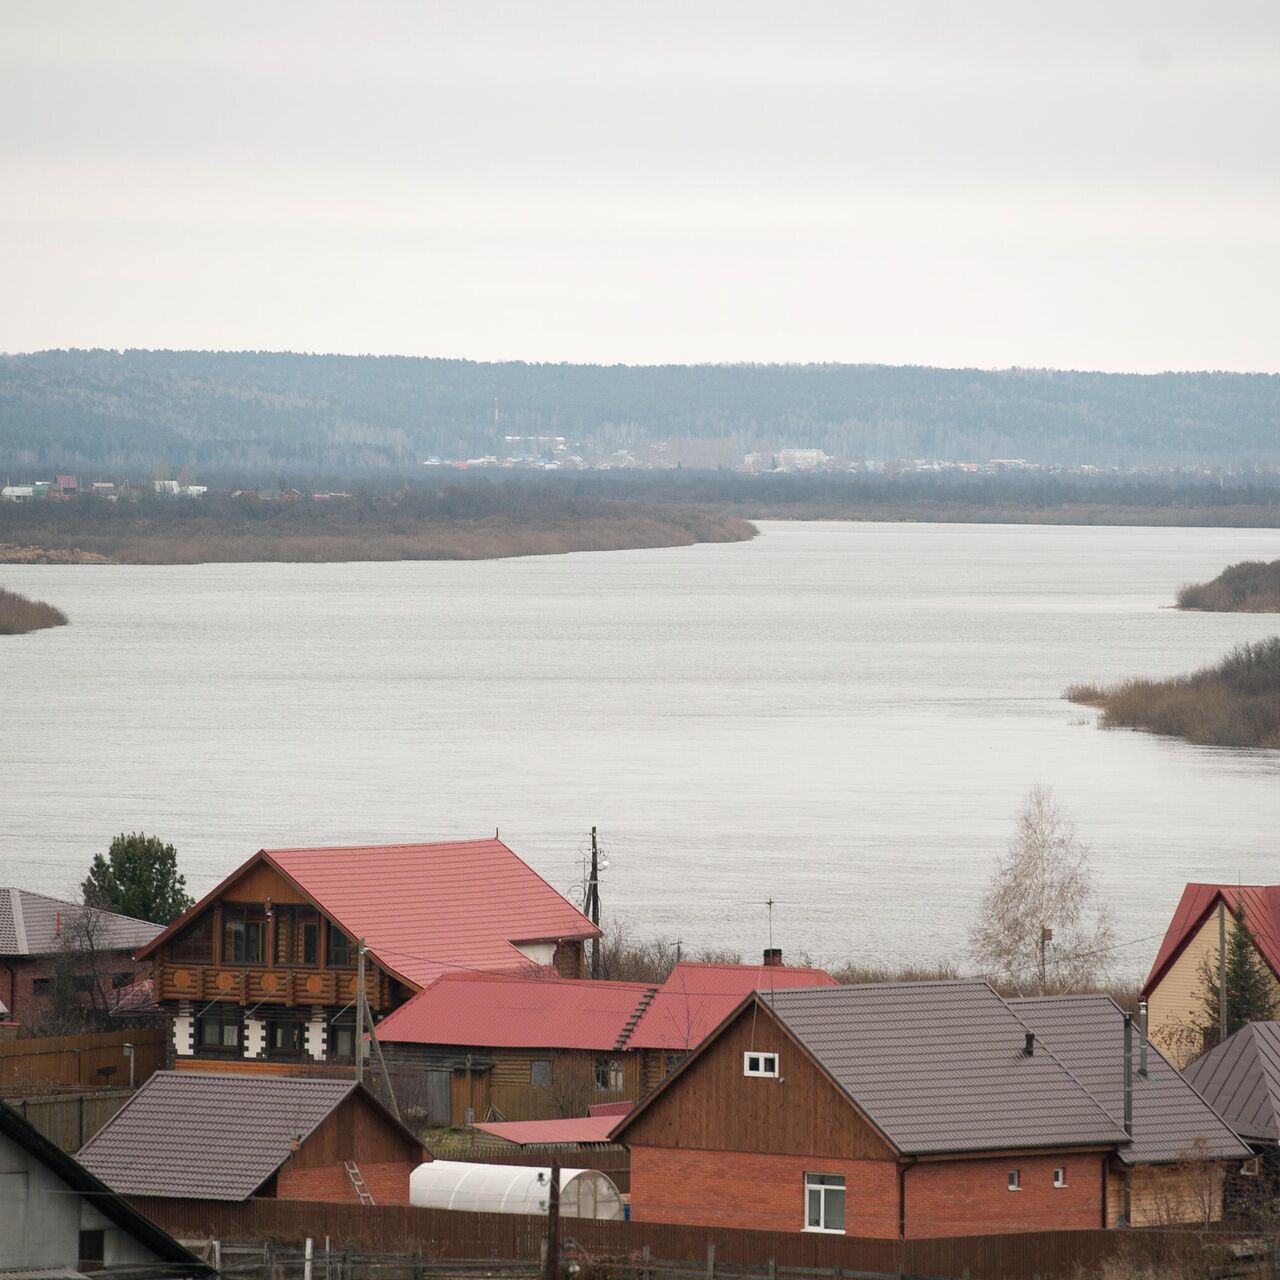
(886, 1110)
(196, 1137)
(473, 1046)
(39, 933)
(1173, 988)
(260, 974)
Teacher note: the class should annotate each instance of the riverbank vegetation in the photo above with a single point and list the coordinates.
(472, 522)
(1235, 704)
(1252, 586)
(19, 615)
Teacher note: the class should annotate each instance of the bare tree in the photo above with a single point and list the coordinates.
(82, 990)
(1041, 924)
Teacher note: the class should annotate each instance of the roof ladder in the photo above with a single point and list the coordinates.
(636, 1014)
(357, 1181)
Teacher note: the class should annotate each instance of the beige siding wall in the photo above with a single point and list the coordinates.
(1175, 1003)
(1168, 1195)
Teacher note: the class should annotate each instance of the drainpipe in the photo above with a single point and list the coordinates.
(1142, 1039)
(1128, 1111)
(902, 1195)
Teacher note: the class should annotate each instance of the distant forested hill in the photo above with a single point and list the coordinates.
(261, 409)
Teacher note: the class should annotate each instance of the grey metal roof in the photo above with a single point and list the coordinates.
(1169, 1117)
(30, 925)
(1240, 1078)
(940, 1067)
(208, 1137)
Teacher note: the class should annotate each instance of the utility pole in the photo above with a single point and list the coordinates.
(593, 903)
(1222, 970)
(552, 1270)
(360, 1011)
(1046, 937)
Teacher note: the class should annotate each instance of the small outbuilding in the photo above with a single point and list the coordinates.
(507, 1188)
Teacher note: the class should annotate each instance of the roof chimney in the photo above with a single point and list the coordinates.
(1029, 1046)
(773, 957)
(57, 924)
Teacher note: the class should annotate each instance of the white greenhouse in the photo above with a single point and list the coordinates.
(512, 1188)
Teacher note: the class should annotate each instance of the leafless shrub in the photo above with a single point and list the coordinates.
(19, 615)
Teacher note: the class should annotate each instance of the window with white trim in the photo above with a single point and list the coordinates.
(824, 1202)
(759, 1064)
(1015, 1179)
(1060, 1177)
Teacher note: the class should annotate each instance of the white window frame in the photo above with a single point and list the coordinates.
(1015, 1179)
(765, 1064)
(1060, 1177)
(822, 1188)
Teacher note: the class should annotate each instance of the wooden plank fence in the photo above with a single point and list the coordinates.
(620, 1249)
(71, 1119)
(78, 1062)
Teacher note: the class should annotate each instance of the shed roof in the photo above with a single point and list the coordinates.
(572, 1131)
(1086, 1033)
(76, 1175)
(1261, 904)
(696, 998)
(424, 909)
(1240, 1078)
(214, 1136)
(513, 1011)
(33, 924)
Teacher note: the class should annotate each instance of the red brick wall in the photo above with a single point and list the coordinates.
(18, 977)
(389, 1184)
(762, 1192)
(957, 1197)
(972, 1197)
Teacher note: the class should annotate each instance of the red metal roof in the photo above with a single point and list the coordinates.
(516, 1012)
(696, 998)
(1261, 912)
(576, 1129)
(425, 909)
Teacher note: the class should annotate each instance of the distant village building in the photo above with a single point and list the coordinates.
(801, 459)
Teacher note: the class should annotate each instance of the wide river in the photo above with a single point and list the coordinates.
(844, 718)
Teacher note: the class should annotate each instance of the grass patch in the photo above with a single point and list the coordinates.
(1235, 704)
(19, 615)
(1252, 586)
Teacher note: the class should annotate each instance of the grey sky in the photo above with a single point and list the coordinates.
(1076, 185)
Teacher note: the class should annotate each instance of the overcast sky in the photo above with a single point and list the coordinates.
(1047, 183)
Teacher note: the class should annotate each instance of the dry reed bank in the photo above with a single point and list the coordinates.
(19, 615)
(1235, 704)
(1252, 586)
(376, 527)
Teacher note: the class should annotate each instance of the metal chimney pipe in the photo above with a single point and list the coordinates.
(1142, 1039)
(1029, 1046)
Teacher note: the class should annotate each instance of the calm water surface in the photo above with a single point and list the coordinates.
(843, 717)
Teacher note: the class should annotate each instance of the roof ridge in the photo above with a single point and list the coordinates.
(19, 922)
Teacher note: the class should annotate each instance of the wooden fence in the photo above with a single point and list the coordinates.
(79, 1062)
(71, 1119)
(603, 1247)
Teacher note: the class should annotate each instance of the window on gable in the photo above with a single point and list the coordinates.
(297, 936)
(540, 1073)
(759, 1064)
(1015, 1179)
(608, 1075)
(824, 1202)
(340, 951)
(194, 945)
(244, 933)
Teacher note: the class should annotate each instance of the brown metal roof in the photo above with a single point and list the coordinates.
(1240, 1079)
(939, 1067)
(1086, 1033)
(208, 1137)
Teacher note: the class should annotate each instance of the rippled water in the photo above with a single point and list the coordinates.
(843, 717)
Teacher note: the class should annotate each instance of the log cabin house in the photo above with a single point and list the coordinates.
(475, 1047)
(905, 1110)
(1173, 990)
(260, 974)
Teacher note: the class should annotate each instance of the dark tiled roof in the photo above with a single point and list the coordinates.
(1086, 1033)
(30, 924)
(939, 1067)
(1240, 1078)
(74, 1174)
(208, 1137)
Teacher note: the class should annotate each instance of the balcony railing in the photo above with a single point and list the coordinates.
(286, 987)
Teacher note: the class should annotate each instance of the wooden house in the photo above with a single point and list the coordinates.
(260, 974)
(891, 1110)
(289, 1138)
(475, 1047)
(1203, 921)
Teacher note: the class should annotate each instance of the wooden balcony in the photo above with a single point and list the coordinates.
(254, 986)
